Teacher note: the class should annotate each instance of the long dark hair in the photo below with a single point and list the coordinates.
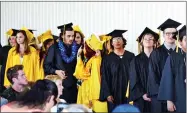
(105, 51)
(89, 52)
(44, 52)
(26, 43)
(45, 43)
(39, 94)
(82, 37)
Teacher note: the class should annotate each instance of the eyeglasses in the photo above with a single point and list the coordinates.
(171, 33)
(148, 39)
(117, 39)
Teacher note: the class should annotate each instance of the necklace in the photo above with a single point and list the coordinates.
(63, 52)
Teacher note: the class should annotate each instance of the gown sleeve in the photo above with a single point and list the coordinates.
(136, 90)
(105, 79)
(166, 90)
(49, 60)
(38, 70)
(8, 65)
(153, 74)
(95, 78)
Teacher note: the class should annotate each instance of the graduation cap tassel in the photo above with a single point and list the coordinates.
(159, 40)
(139, 48)
(127, 94)
(177, 49)
(64, 30)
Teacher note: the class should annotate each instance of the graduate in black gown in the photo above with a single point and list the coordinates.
(173, 82)
(157, 61)
(139, 70)
(4, 54)
(61, 60)
(115, 72)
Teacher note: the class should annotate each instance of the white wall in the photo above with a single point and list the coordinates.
(93, 17)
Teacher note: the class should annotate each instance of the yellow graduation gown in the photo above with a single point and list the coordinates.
(42, 74)
(30, 63)
(89, 90)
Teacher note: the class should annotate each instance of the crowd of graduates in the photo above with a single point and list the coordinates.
(40, 73)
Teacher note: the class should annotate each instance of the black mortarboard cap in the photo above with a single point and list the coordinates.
(169, 23)
(31, 30)
(65, 27)
(116, 33)
(182, 32)
(146, 31)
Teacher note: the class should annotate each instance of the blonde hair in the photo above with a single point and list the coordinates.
(77, 108)
(53, 78)
(141, 42)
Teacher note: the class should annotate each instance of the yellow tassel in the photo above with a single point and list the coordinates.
(64, 30)
(127, 92)
(159, 40)
(139, 48)
(131, 102)
(177, 43)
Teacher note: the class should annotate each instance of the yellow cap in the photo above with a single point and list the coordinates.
(105, 38)
(43, 37)
(9, 32)
(12, 32)
(77, 28)
(94, 43)
(28, 33)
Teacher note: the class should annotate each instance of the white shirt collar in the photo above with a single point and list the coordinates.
(173, 46)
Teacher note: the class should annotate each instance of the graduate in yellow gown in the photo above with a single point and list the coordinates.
(46, 39)
(88, 74)
(107, 49)
(25, 55)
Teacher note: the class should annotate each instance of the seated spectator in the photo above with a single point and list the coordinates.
(126, 108)
(77, 108)
(58, 81)
(40, 98)
(17, 78)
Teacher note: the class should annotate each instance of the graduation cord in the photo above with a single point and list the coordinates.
(63, 52)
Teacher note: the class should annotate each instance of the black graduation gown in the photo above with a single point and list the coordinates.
(53, 61)
(138, 81)
(173, 86)
(3, 58)
(156, 64)
(114, 78)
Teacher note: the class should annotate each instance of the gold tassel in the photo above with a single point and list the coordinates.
(139, 48)
(159, 40)
(127, 94)
(64, 30)
(177, 49)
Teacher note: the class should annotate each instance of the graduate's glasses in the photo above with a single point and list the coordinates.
(117, 39)
(171, 33)
(148, 39)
